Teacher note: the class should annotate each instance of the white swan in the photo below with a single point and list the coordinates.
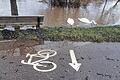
(85, 20)
(70, 21)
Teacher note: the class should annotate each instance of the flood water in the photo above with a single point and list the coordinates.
(58, 16)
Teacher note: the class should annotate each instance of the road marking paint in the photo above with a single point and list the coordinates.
(74, 63)
(44, 54)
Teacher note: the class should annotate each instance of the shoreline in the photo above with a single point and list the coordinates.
(94, 34)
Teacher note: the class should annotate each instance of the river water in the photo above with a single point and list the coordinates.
(58, 16)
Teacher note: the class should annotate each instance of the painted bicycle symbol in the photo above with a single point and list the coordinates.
(42, 64)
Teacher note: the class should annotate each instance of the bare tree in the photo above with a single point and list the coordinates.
(116, 3)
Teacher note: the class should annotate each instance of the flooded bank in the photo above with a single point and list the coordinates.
(57, 16)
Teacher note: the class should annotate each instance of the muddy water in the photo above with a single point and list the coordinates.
(58, 16)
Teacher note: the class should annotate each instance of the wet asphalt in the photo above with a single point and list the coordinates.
(100, 61)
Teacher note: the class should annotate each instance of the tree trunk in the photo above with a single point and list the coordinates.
(116, 3)
(14, 10)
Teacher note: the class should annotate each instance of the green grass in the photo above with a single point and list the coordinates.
(96, 34)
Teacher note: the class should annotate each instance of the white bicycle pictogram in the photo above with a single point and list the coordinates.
(43, 55)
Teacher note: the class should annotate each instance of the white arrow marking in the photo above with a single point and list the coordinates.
(74, 63)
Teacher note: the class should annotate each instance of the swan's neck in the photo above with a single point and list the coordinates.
(93, 22)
